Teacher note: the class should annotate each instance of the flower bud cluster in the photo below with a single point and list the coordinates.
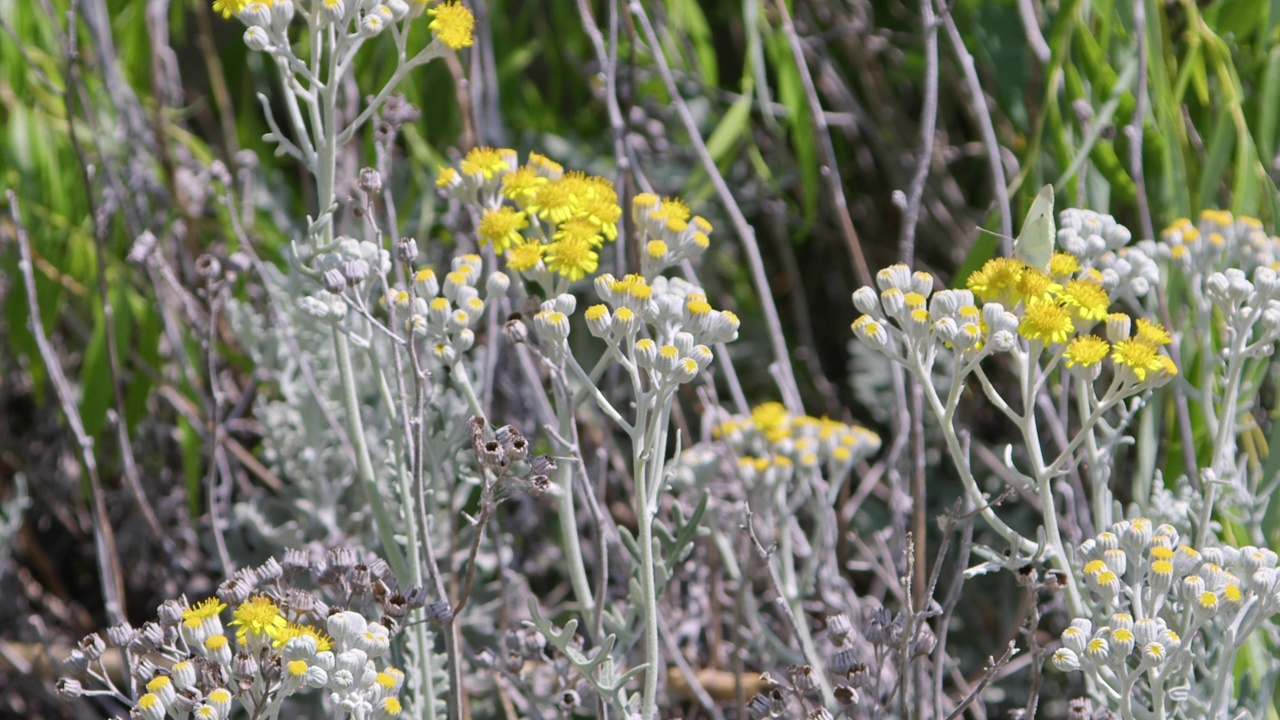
(268, 20)
(285, 636)
(906, 318)
(1219, 239)
(1245, 304)
(668, 232)
(1129, 273)
(442, 316)
(1156, 596)
(771, 443)
(1088, 235)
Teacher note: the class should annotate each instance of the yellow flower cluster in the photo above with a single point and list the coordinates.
(773, 437)
(1217, 235)
(1052, 304)
(538, 215)
(451, 21)
(1055, 306)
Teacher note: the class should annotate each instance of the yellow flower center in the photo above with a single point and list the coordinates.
(1046, 321)
(453, 24)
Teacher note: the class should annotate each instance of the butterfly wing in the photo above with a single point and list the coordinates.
(1035, 243)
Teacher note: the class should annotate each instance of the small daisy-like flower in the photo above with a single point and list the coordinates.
(545, 166)
(1087, 299)
(557, 200)
(1063, 265)
(1086, 351)
(572, 257)
(452, 23)
(258, 616)
(524, 256)
(1034, 285)
(522, 185)
(772, 420)
(229, 7)
(600, 206)
(673, 208)
(447, 177)
(501, 227)
(998, 277)
(1153, 333)
(1141, 357)
(1046, 321)
(580, 230)
(194, 616)
(485, 161)
(293, 630)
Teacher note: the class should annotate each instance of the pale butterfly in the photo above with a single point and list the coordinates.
(1034, 245)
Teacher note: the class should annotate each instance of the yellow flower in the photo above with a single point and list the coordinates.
(545, 166)
(1035, 285)
(258, 616)
(501, 227)
(1138, 355)
(772, 420)
(580, 231)
(1086, 351)
(448, 176)
(229, 7)
(1153, 333)
(293, 630)
(600, 206)
(998, 277)
(484, 160)
(521, 185)
(524, 256)
(1087, 299)
(1046, 321)
(452, 23)
(572, 257)
(195, 615)
(559, 200)
(671, 208)
(1063, 265)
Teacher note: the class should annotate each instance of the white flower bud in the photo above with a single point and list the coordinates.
(646, 352)
(922, 283)
(599, 320)
(281, 15)
(946, 330)
(256, 14)
(702, 355)
(625, 322)
(496, 284)
(371, 25)
(897, 277)
(1066, 660)
(1003, 341)
(399, 9)
(866, 301)
(894, 302)
(255, 38)
(345, 626)
(552, 326)
(564, 303)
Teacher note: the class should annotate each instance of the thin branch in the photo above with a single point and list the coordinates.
(104, 538)
(928, 128)
(982, 114)
(777, 338)
(831, 168)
